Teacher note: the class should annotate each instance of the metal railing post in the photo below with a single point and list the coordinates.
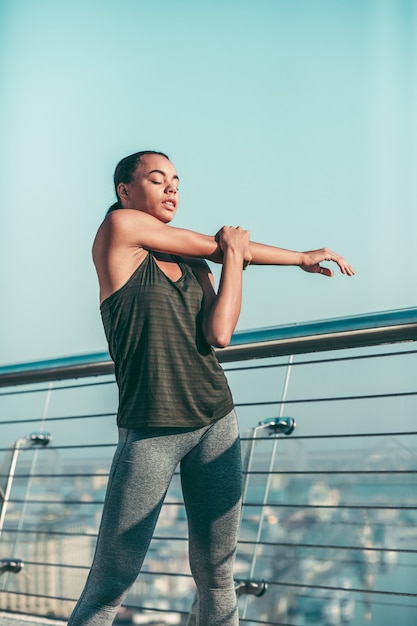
(34, 439)
(276, 426)
(6, 494)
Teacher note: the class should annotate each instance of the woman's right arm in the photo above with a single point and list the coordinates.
(222, 310)
(129, 228)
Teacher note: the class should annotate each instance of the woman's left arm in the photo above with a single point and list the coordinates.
(221, 310)
(308, 261)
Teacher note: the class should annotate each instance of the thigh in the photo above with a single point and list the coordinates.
(141, 471)
(211, 477)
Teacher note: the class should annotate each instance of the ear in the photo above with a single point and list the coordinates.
(123, 191)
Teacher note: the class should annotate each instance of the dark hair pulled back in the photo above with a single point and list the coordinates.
(125, 171)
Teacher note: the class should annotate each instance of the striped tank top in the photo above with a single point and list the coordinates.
(166, 372)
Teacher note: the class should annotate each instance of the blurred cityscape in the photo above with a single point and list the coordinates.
(324, 536)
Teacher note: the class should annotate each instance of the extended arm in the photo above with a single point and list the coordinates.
(309, 261)
(135, 228)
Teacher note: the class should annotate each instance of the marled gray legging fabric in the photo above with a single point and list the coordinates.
(142, 468)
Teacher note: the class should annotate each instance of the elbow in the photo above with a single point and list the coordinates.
(218, 340)
(218, 332)
(221, 343)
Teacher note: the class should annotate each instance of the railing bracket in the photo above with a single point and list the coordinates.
(250, 587)
(277, 425)
(11, 565)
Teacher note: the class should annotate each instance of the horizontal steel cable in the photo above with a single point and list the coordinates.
(246, 542)
(53, 533)
(247, 438)
(330, 546)
(320, 361)
(372, 396)
(401, 433)
(291, 559)
(302, 505)
(86, 446)
(343, 561)
(368, 507)
(249, 543)
(93, 535)
(60, 388)
(87, 567)
(188, 575)
(237, 404)
(338, 523)
(381, 592)
(278, 472)
(81, 475)
(252, 620)
(317, 472)
(46, 420)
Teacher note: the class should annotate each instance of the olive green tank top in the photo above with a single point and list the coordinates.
(166, 372)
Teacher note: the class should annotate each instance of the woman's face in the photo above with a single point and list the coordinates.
(154, 188)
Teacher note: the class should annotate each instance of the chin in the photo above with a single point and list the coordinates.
(167, 218)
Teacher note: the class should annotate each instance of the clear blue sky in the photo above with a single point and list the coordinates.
(295, 118)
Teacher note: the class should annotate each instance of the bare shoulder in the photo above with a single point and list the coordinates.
(123, 227)
(116, 254)
(122, 219)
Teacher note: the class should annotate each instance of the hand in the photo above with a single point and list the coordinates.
(312, 259)
(236, 239)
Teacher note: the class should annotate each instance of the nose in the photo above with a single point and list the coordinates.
(171, 188)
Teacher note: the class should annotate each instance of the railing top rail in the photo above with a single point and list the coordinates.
(316, 336)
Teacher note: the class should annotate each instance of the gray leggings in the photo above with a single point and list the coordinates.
(142, 469)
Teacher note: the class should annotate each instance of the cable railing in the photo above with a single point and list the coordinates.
(329, 518)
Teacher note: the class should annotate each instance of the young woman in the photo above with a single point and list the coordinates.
(162, 316)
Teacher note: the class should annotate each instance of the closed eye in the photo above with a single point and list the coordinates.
(158, 182)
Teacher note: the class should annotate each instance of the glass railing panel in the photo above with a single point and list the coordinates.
(330, 509)
(341, 505)
(57, 490)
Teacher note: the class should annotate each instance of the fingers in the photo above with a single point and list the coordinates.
(237, 239)
(313, 259)
(325, 271)
(232, 233)
(344, 266)
(317, 269)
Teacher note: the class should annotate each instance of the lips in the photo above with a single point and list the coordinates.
(170, 204)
